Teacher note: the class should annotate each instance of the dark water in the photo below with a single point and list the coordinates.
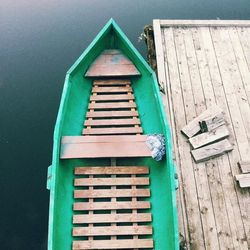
(39, 41)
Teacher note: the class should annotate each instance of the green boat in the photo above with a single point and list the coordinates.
(106, 189)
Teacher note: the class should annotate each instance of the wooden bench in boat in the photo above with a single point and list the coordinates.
(104, 146)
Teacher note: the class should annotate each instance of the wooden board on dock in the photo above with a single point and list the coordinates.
(209, 137)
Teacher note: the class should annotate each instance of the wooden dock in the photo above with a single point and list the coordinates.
(199, 64)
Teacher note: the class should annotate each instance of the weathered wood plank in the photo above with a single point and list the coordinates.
(193, 127)
(111, 114)
(108, 193)
(113, 244)
(119, 89)
(113, 205)
(112, 230)
(112, 105)
(108, 138)
(99, 218)
(243, 179)
(212, 150)
(105, 149)
(111, 82)
(111, 170)
(112, 131)
(111, 181)
(244, 166)
(108, 122)
(114, 70)
(209, 137)
(241, 176)
(111, 97)
(204, 23)
(112, 64)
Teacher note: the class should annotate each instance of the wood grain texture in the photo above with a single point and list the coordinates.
(119, 89)
(112, 97)
(105, 149)
(107, 193)
(112, 230)
(244, 166)
(118, 218)
(113, 205)
(212, 150)
(98, 139)
(209, 137)
(109, 82)
(109, 122)
(111, 170)
(112, 105)
(111, 181)
(193, 126)
(113, 244)
(112, 64)
(111, 114)
(112, 131)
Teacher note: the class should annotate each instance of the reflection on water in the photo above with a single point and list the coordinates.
(39, 41)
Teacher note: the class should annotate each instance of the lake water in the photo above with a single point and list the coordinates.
(39, 41)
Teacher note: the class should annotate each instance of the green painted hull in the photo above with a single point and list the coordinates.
(73, 106)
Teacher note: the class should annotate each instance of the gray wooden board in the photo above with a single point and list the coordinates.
(244, 166)
(243, 179)
(211, 151)
(209, 137)
(193, 127)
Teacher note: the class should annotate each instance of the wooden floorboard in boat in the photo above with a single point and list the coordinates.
(107, 193)
(111, 114)
(114, 122)
(118, 218)
(111, 170)
(112, 105)
(199, 66)
(112, 97)
(111, 82)
(112, 230)
(112, 131)
(120, 89)
(111, 181)
(113, 244)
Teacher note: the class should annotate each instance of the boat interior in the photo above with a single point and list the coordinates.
(109, 192)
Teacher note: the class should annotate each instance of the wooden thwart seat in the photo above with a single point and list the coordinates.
(104, 146)
(131, 181)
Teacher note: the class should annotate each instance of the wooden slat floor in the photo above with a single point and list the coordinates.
(202, 63)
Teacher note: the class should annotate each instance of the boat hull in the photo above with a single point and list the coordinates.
(71, 116)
